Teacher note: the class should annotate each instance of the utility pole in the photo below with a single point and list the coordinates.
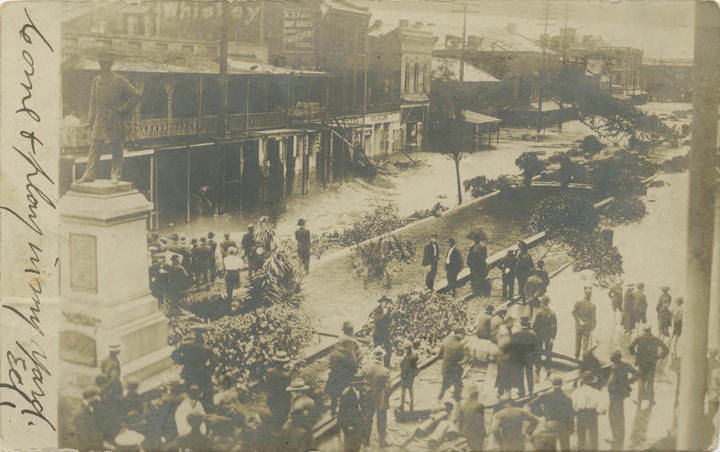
(542, 69)
(219, 192)
(462, 44)
(702, 175)
(224, 28)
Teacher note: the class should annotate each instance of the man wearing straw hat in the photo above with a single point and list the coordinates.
(110, 366)
(112, 99)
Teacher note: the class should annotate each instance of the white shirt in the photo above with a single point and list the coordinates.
(587, 397)
(186, 407)
(233, 263)
(447, 260)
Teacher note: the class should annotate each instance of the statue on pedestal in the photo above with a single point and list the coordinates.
(112, 99)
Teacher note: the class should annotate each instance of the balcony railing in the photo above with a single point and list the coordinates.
(76, 138)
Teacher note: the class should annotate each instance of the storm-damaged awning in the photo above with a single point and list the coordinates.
(479, 118)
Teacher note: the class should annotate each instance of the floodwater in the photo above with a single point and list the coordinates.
(412, 189)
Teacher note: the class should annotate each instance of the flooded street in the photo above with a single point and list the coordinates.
(417, 188)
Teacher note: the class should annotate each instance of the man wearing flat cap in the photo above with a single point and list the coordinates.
(110, 366)
(112, 98)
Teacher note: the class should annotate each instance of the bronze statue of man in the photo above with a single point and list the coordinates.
(112, 98)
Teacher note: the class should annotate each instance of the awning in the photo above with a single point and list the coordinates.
(479, 118)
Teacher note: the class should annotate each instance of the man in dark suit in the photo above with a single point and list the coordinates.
(375, 399)
(585, 316)
(431, 255)
(648, 350)
(507, 266)
(453, 265)
(249, 249)
(302, 236)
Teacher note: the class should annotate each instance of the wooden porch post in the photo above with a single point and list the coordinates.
(187, 184)
(170, 89)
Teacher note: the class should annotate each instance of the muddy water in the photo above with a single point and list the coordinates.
(412, 189)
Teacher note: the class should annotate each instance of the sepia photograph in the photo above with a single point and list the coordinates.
(359, 225)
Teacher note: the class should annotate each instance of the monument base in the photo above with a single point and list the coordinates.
(105, 288)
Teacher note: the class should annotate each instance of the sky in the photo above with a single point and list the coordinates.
(661, 28)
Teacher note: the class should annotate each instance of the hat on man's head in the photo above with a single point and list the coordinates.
(489, 309)
(665, 288)
(525, 321)
(544, 299)
(640, 285)
(459, 330)
(589, 379)
(301, 222)
(384, 299)
(115, 347)
(557, 382)
(434, 235)
(347, 325)
(616, 356)
(129, 438)
(297, 385)
(281, 357)
(379, 352)
(91, 391)
(175, 237)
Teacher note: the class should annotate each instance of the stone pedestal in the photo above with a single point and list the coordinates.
(105, 287)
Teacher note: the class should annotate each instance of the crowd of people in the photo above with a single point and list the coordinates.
(177, 265)
(514, 337)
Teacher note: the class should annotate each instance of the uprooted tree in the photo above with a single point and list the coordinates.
(572, 219)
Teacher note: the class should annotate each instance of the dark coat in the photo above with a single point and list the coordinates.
(524, 264)
(622, 375)
(348, 415)
(88, 434)
(456, 262)
(545, 323)
(628, 310)
(431, 254)
(524, 346)
(302, 236)
(248, 244)
(508, 264)
(408, 368)
(477, 260)
(382, 323)
(641, 304)
(557, 406)
(648, 349)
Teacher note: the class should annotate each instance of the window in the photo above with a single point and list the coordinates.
(417, 85)
(407, 78)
